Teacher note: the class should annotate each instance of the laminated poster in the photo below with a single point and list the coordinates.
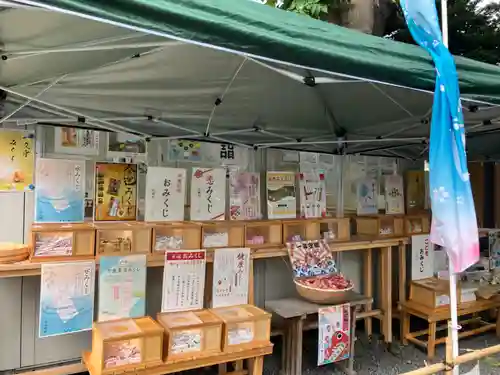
(244, 196)
(231, 277)
(312, 195)
(122, 287)
(394, 198)
(115, 192)
(367, 195)
(183, 280)
(122, 145)
(66, 298)
(60, 191)
(281, 199)
(182, 150)
(208, 194)
(334, 334)
(17, 159)
(422, 257)
(165, 194)
(76, 141)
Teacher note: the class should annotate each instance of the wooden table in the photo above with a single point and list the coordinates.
(436, 315)
(294, 311)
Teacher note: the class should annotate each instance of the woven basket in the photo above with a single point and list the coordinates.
(12, 252)
(321, 296)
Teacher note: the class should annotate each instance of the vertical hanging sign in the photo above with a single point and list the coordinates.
(17, 160)
(208, 194)
(231, 277)
(422, 257)
(60, 192)
(244, 196)
(165, 194)
(281, 198)
(312, 195)
(367, 193)
(394, 198)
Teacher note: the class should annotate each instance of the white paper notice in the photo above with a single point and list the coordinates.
(367, 193)
(183, 280)
(231, 277)
(165, 194)
(394, 198)
(312, 195)
(422, 257)
(208, 194)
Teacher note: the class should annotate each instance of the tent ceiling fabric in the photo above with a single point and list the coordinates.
(129, 74)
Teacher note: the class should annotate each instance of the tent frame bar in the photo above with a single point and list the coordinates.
(346, 141)
(26, 120)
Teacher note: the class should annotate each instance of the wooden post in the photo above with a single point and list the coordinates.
(368, 287)
(449, 351)
(388, 290)
(402, 289)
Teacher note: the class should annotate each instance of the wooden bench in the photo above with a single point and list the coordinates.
(442, 314)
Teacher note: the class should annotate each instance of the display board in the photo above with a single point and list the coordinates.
(76, 141)
(115, 192)
(281, 198)
(122, 287)
(394, 194)
(66, 298)
(367, 195)
(60, 191)
(312, 195)
(244, 195)
(208, 194)
(422, 257)
(165, 194)
(17, 160)
(231, 277)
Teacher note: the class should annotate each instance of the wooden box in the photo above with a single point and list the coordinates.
(126, 345)
(335, 229)
(380, 225)
(217, 234)
(263, 233)
(123, 238)
(301, 230)
(175, 236)
(245, 327)
(53, 242)
(190, 334)
(417, 224)
(431, 292)
(415, 194)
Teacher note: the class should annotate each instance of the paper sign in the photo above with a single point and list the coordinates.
(312, 195)
(208, 194)
(17, 159)
(367, 193)
(281, 198)
(183, 280)
(394, 198)
(121, 145)
(334, 334)
(122, 287)
(165, 194)
(244, 196)
(76, 141)
(422, 257)
(231, 277)
(182, 150)
(66, 298)
(60, 191)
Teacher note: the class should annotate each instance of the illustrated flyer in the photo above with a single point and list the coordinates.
(17, 159)
(122, 287)
(115, 192)
(76, 141)
(183, 280)
(367, 193)
(312, 196)
(394, 195)
(165, 194)
(334, 334)
(60, 191)
(231, 277)
(182, 150)
(208, 194)
(244, 195)
(281, 198)
(66, 298)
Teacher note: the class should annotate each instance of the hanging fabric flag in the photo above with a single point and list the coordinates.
(454, 224)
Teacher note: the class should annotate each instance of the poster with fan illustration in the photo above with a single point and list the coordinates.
(367, 193)
(394, 198)
(244, 195)
(281, 198)
(312, 194)
(208, 194)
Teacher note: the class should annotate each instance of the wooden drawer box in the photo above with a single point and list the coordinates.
(380, 225)
(190, 334)
(66, 242)
(123, 238)
(417, 224)
(431, 292)
(301, 230)
(217, 234)
(245, 326)
(175, 236)
(263, 233)
(126, 345)
(335, 229)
